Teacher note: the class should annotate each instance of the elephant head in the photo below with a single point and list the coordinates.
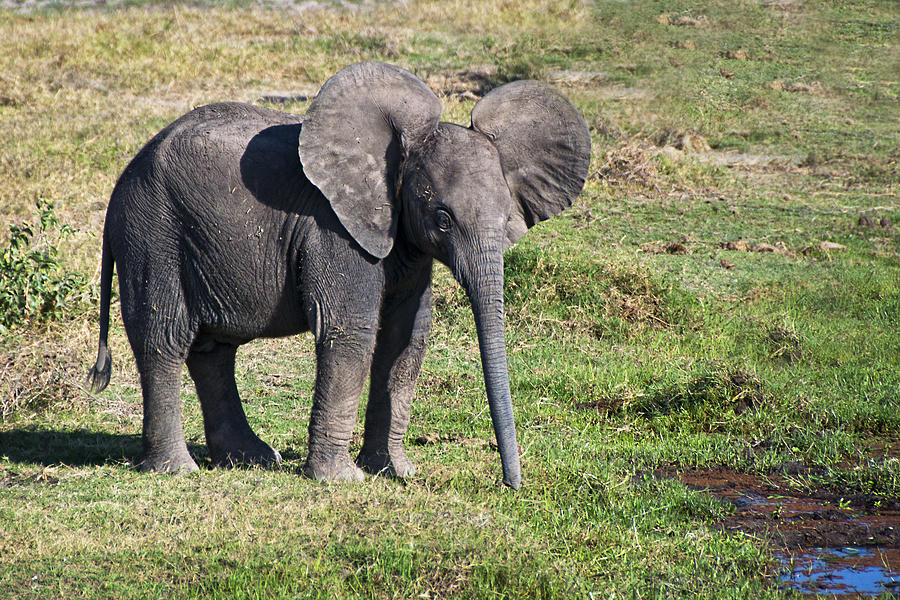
(374, 145)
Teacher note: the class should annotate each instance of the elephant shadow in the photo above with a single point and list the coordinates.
(85, 448)
(73, 447)
(270, 167)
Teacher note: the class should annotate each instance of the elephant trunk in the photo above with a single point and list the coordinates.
(483, 282)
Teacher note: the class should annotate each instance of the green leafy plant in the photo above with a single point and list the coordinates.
(34, 286)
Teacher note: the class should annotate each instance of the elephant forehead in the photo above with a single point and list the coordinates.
(463, 165)
(464, 146)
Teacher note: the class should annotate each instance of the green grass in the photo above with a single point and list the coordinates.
(637, 340)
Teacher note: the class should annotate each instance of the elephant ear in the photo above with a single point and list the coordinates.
(352, 142)
(544, 146)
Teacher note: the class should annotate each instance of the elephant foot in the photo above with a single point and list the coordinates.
(252, 451)
(340, 468)
(393, 463)
(171, 462)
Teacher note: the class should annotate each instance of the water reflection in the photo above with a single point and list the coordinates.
(838, 571)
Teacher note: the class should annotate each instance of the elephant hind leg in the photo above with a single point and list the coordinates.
(164, 448)
(160, 359)
(228, 435)
(159, 331)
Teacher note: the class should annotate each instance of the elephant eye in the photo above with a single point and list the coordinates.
(442, 220)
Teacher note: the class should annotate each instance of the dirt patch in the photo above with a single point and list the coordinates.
(826, 543)
(883, 449)
(826, 247)
(799, 86)
(763, 247)
(567, 77)
(794, 86)
(685, 45)
(867, 222)
(681, 20)
(753, 162)
(739, 54)
(799, 522)
(465, 84)
(685, 141)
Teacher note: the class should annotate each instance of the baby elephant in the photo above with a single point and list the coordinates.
(237, 222)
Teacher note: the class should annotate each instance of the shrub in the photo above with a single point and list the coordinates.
(34, 285)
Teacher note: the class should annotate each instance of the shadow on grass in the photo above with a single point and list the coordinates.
(73, 447)
(716, 391)
(82, 447)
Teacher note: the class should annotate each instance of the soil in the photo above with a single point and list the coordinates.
(827, 543)
(465, 84)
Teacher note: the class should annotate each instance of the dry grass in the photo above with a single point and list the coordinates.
(628, 163)
(48, 368)
(38, 375)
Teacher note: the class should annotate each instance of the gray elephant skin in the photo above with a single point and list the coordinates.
(237, 222)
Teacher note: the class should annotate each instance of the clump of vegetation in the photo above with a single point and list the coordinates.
(712, 392)
(580, 293)
(34, 285)
(877, 481)
(786, 344)
(628, 163)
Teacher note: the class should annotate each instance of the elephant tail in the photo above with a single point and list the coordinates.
(98, 378)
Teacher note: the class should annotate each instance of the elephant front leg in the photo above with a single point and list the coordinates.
(399, 351)
(342, 364)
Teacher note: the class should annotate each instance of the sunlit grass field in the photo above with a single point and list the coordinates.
(724, 293)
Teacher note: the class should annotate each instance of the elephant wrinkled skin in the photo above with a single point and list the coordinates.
(237, 222)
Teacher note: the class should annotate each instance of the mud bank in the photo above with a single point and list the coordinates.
(826, 543)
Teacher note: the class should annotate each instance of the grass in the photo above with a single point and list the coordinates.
(639, 339)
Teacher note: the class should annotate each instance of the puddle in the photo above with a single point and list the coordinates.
(854, 570)
(827, 544)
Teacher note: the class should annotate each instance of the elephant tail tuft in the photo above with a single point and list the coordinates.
(99, 376)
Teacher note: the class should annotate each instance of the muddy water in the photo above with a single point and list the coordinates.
(854, 570)
(826, 544)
